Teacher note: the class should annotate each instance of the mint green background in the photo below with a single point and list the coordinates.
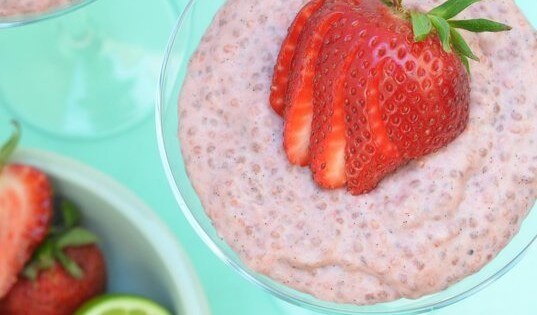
(133, 159)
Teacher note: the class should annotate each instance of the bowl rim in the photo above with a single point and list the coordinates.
(25, 19)
(250, 275)
(189, 295)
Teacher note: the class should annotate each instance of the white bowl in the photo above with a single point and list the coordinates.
(142, 255)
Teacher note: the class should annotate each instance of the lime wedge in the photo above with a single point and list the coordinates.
(114, 304)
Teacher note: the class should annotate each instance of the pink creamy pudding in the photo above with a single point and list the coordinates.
(21, 7)
(432, 223)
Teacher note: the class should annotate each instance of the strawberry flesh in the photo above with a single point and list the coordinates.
(285, 58)
(328, 136)
(299, 98)
(370, 152)
(25, 214)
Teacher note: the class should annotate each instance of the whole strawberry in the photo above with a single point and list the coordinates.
(65, 271)
(55, 291)
(372, 86)
(25, 213)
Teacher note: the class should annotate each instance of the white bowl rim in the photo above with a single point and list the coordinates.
(189, 294)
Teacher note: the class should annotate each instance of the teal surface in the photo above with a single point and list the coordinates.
(133, 159)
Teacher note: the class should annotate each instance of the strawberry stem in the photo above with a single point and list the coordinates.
(9, 147)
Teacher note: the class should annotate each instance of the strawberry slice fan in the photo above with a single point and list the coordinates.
(365, 86)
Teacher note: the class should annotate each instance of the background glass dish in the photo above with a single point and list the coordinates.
(195, 19)
(84, 73)
(23, 19)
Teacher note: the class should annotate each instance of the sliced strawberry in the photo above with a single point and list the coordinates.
(328, 139)
(25, 214)
(282, 69)
(370, 153)
(299, 99)
(375, 95)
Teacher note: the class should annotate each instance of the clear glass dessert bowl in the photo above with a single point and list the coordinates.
(184, 40)
(32, 17)
(85, 68)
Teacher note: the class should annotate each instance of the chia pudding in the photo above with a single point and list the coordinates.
(22, 7)
(427, 226)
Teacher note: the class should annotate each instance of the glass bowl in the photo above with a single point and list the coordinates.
(188, 32)
(23, 19)
(87, 74)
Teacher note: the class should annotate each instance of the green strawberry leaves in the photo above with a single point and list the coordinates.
(388, 2)
(68, 264)
(43, 259)
(61, 236)
(443, 29)
(480, 25)
(421, 25)
(9, 147)
(439, 19)
(70, 214)
(461, 46)
(76, 237)
(451, 8)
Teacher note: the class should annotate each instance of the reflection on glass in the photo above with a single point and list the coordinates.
(86, 74)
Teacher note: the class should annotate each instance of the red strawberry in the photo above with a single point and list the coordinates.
(299, 97)
(25, 214)
(55, 291)
(385, 90)
(328, 138)
(285, 58)
(416, 98)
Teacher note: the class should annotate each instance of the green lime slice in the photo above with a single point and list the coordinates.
(114, 304)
